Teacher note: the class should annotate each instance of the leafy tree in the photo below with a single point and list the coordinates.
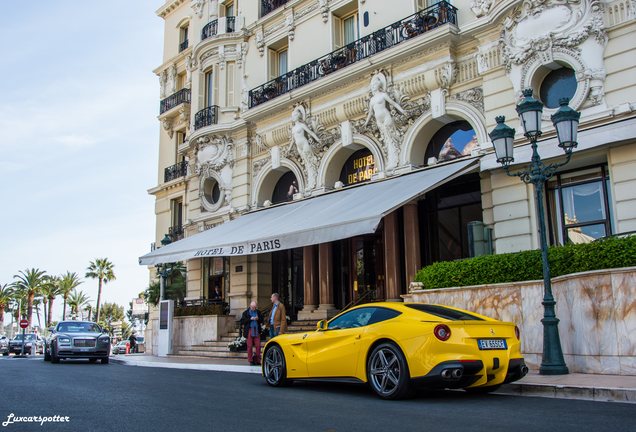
(77, 300)
(6, 295)
(175, 288)
(50, 290)
(68, 282)
(110, 313)
(102, 270)
(30, 283)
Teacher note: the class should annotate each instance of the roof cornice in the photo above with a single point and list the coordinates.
(169, 7)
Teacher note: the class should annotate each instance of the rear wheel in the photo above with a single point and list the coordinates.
(388, 372)
(105, 360)
(274, 367)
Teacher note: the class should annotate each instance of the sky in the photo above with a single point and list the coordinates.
(79, 138)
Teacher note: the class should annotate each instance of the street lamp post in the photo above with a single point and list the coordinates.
(163, 270)
(566, 121)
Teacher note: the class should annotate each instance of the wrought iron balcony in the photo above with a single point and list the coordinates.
(212, 28)
(175, 232)
(175, 171)
(378, 41)
(206, 117)
(175, 99)
(183, 45)
(269, 5)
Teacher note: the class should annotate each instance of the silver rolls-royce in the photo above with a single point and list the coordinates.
(77, 339)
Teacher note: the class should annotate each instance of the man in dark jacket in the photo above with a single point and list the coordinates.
(251, 321)
(132, 340)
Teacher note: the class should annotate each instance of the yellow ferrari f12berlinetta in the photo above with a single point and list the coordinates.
(396, 347)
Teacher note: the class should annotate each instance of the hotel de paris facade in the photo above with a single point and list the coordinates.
(328, 149)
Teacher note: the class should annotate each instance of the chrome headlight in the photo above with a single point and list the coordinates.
(64, 340)
(104, 339)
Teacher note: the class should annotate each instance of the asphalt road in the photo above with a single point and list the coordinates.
(115, 397)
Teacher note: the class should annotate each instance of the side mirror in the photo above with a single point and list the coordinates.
(322, 325)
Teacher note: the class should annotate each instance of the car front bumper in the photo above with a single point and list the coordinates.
(76, 353)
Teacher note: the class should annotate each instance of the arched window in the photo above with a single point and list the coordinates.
(558, 83)
(454, 140)
(285, 188)
(359, 168)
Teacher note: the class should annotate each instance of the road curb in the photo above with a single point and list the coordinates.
(559, 391)
(190, 366)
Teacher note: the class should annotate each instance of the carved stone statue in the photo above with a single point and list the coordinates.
(299, 132)
(481, 7)
(384, 121)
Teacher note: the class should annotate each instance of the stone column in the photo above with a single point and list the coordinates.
(391, 258)
(327, 308)
(412, 260)
(310, 283)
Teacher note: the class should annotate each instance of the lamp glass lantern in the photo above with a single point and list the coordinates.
(502, 137)
(530, 110)
(166, 240)
(566, 123)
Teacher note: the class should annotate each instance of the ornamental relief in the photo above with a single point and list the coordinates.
(543, 32)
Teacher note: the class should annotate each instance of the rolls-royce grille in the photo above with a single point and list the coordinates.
(84, 343)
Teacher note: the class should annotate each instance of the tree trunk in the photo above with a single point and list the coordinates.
(99, 296)
(64, 310)
(30, 297)
(51, 299)
(45, 310)
(37, 311)
(2, 318)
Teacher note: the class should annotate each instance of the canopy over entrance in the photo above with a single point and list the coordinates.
(329, 217)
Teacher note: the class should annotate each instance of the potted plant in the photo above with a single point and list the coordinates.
(238, 344)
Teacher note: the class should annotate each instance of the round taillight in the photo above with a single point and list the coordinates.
(517, 333)
(442, 332)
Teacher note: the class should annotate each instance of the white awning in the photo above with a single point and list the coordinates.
(328, 217)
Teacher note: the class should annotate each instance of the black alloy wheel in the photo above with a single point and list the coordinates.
(274, 368)
(388, 372)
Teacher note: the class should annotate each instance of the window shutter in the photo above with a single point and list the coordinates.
(216, 85)
(230, 85)
(273, 64)
(423, 4)
(337, 32)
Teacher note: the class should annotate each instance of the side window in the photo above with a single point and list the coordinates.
(382, 314)
(355, 318)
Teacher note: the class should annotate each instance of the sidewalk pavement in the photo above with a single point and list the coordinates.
(605, 388)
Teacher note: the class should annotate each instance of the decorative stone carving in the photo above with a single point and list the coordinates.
(197, 7)
(300, 137)
(171, 80)
(184, 113)
(260, 41)
(189, 65)
(383, 118)
(163, 77)
(324, 10)
(540, 32)
(215, 159)
(290, 23)
(473, 96)
(481, 7)
(167, 126)
(258, 165)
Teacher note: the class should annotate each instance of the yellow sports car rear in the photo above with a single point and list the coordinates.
(397, 346)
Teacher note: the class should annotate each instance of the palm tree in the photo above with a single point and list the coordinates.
(30, 282)
(68, 282)
(50, 291)
(77, 300)
(102, 270)
(6, 295)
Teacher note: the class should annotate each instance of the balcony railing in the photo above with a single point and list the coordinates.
(212, 28)
(176, 232)
(206, 117)
(175, 99)
(269, 5)
(175, 171)
(183, 45)
(378, 41)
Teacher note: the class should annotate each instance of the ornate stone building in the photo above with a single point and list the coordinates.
(285, 114)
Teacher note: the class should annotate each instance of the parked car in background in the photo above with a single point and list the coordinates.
(33, 344)
(120, 348)
(4, 345)
(78, 339)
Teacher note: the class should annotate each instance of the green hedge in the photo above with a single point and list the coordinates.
(214, 309)
(612, 252)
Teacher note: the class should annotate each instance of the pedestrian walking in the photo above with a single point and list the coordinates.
(251, 321)
(277, 319)
(132, 340)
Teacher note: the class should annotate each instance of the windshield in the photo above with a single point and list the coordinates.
(28, 337)
(78, 327)
(443, 312)
(122, 343)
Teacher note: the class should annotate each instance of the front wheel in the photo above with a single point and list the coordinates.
(47, 355)
(54, 357)
(388, 372)
(274, 368)
(105, 360)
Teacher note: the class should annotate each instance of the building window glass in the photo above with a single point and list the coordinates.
(183, 38)
(557, 84)
(579, 206)
(211, 191)
(209, 88)
(285, 189)
(216, 279)
(282, 62)
(229, 9)
(452, 141)
(350, 29)
(359, 168)
(278, 60)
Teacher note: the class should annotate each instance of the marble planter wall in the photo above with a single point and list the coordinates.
(597, 312)
(196, 329)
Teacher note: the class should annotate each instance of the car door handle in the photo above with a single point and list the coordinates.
(357, 336)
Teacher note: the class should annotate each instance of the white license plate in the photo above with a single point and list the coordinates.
(492, 344)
